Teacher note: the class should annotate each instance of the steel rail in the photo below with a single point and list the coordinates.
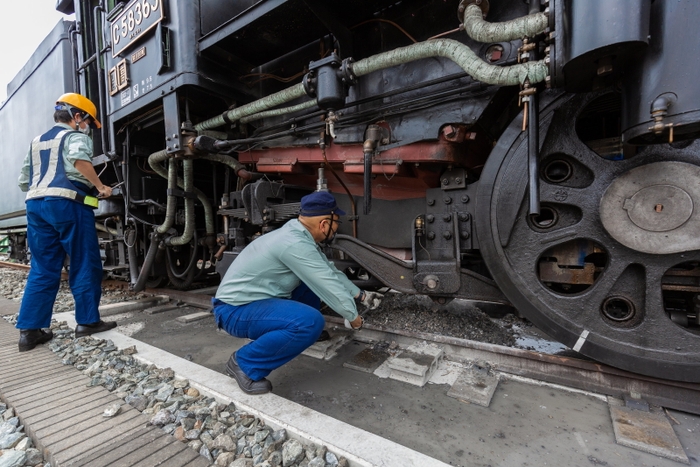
(27, 267)
(586, 375)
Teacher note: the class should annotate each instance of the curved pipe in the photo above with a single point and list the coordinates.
(154, 161)
(482, 31)
(104, 228)
(273, 100)
(238, 168)
(188, 187)
(462, 55)
(282, 111)
(459, 53)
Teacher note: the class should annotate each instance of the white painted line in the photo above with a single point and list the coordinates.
(361, 448)
(581, 340)
(582, 443)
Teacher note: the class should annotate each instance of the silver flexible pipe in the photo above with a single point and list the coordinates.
(462, 55)
(482, 31)
(109, 230)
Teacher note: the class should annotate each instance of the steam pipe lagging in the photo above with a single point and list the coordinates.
(482, 31)
(462, 55)
(173, 182)
(188, 187)
(154, 161)
(268, 102)
(238, 168)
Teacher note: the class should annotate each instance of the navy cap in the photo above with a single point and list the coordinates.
(319, 203)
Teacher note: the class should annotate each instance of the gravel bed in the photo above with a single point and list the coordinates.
(16, 448)
(226, 436)
(416, 313)
(13, 281)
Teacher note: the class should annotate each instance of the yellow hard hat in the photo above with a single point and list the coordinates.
(80, 102)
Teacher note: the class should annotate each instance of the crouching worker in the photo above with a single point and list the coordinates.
(273, 290)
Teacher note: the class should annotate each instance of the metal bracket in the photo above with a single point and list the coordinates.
(398, 274)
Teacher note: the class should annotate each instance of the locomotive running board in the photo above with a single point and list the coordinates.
(398, 274)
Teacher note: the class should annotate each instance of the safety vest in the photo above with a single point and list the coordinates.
(47, 174)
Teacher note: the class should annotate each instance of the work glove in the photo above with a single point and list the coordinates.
(348, 324)
(371, 300)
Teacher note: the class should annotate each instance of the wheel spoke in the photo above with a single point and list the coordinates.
(563, 269)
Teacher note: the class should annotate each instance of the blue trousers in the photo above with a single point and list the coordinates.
(280, 329)
(57, 227)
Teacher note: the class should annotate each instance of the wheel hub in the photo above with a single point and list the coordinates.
(650, 208)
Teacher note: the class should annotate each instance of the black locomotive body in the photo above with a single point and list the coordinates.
(542, 154)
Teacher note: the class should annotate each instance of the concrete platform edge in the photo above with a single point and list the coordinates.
(360, 447)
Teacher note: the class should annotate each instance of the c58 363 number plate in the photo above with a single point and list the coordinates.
(137, 18)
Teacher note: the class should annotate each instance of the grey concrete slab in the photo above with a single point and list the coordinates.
(325, 350)
(647, 431)
(176, 455)
(64, 417)
(416, 364)
(367, 360)
(475, 385)
(133, 305)
(119, 447)
(161, 308)
(194, 317)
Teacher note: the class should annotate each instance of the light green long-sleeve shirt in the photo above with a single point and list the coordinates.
(76, 146)
(273, 265)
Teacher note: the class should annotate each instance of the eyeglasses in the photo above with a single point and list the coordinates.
(333, 221)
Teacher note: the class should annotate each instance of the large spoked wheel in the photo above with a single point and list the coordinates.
(611, 266)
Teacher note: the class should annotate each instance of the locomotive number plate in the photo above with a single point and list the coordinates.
(139, 17)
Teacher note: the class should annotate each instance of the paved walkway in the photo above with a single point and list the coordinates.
(65, 418)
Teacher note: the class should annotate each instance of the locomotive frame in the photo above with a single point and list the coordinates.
(536, 153)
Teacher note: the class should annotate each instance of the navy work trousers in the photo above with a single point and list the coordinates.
(57, 227)
(280, 329)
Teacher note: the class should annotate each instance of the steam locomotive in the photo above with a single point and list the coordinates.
(538, 153)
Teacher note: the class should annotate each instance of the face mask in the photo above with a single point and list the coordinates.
(86, 130)
(330, 235)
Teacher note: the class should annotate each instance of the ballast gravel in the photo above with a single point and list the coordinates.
(224, 435)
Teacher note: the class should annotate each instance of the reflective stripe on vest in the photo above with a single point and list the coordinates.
(48, 176)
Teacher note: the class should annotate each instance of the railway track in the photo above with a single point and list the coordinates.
(420, 418)
(572, 372)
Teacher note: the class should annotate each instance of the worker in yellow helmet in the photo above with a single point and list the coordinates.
(62, 185)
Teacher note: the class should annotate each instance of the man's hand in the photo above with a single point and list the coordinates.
(371, 300)
(105, 191)
(356, 323)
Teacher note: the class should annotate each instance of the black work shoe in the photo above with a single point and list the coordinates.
(246, 384)
(30, 338)
(82, 330)
(324, 336)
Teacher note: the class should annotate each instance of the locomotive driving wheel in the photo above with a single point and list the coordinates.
(611, 265)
